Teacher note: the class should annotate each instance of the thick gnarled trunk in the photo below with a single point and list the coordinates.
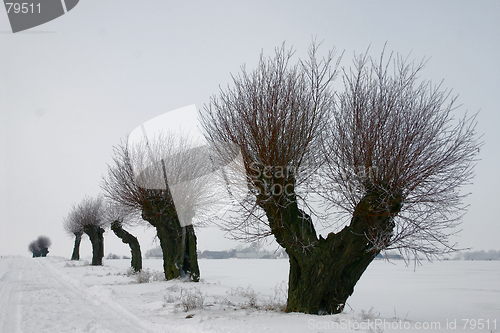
(178, 243)
(323, 272)
(131, 240)
(97, 239)
(321, 279)
(76, 247)
(179, 252)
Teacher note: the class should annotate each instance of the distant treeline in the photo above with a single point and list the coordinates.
(478, 255)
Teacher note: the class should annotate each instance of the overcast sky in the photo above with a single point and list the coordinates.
(72, 88)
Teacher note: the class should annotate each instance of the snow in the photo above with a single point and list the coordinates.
(54, 294)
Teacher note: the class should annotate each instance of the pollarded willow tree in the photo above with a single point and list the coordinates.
(386, 152)
(164, 181)
(34, 249)
(74, 229)
(89, 217)
(40, 246)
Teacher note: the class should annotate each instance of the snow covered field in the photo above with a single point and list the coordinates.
(54, 294)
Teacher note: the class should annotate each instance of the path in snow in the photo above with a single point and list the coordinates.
(35, 297)
(57, 295)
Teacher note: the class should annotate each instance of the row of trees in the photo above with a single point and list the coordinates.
(136, 191)
(478, 255)
(384, 155)
(91, 217)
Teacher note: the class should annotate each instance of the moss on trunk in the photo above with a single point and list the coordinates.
(322, 278)
(323, 272)
(178, 244)
(95, 234)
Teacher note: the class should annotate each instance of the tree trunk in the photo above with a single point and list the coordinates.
(96, 238)
(323, 272)
(321, 279)
(76, 247)
(179, 258)
(190, 262)
(44, 251)
(132, 241)
(179, 252)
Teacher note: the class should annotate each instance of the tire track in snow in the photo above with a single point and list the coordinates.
(101, 313)
(10, 293)
(35, 297)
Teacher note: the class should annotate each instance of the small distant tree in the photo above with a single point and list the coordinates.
(155, 252)
(89, 216)
(40, 247)
(43, 243)
(386, 152)
(33, 247)
(120, 216)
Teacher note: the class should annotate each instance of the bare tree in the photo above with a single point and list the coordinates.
(33, 248)
(120, 217)
(73, 228)
(40, 246)
(165, 180)
(89, 217)
(43, 243)
(387, 146)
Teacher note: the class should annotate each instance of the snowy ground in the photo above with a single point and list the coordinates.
(56, 295)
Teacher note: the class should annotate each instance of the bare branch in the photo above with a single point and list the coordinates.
(396, 134)
(276, 117)
(89, 212)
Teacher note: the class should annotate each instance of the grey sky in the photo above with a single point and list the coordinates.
(74, 87)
